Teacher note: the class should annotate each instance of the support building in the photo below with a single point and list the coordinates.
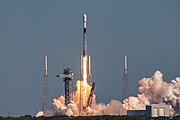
(152, 110)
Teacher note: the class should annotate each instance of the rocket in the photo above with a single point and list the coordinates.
(85, 58)
(85, 68)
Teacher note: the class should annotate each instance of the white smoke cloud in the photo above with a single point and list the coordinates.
(151, 91)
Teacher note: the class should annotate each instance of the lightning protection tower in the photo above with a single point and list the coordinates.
(125, 80)
(67, 78)
(46, 105)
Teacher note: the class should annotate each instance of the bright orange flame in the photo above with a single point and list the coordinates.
(81, 95)
(79, 84)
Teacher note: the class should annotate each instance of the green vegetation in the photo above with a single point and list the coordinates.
(105, 117)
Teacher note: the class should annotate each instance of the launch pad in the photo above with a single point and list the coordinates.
(82, 101)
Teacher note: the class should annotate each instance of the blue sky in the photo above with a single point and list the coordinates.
(148, 31)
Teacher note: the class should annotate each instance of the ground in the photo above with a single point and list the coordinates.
(107, 117)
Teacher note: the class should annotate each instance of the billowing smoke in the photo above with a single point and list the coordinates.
(72, 109)
(113, 108)
(151, 91)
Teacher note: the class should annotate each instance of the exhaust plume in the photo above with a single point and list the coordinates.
(151, 91)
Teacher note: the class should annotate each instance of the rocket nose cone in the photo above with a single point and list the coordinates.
(84, 17)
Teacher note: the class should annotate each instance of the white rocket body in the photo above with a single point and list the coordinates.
(85, 59)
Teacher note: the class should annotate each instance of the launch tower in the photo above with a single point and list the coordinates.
(67, 78)
(90, 98)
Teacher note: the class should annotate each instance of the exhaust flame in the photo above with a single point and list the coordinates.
(84, 81)
(151, 91)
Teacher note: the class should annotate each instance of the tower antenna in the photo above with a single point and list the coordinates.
(46, 105)
(125, 80)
